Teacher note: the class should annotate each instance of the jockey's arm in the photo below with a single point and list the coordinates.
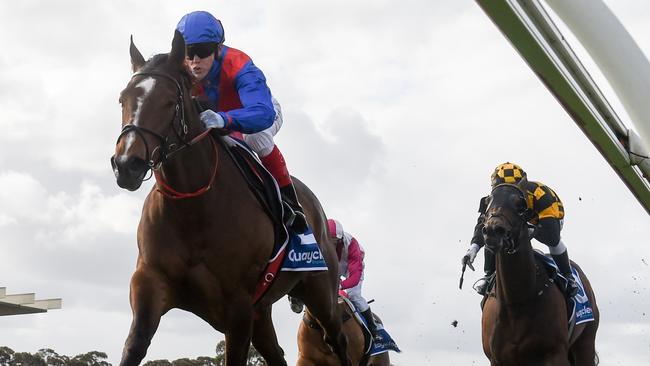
(257, 112)
(548, 208)
(548, 231)
(477, 238)
(355, 265)
(477, 241)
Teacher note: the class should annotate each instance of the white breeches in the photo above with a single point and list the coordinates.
(262, 142)
(558, 249)
(354, 294)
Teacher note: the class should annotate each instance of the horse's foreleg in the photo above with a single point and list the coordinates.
(584, 348)
(265, 340)
(239, 330)
(149, 300)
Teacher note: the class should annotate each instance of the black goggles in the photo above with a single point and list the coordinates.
(202, 50)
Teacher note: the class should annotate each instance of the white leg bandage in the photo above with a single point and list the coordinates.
(558, 249)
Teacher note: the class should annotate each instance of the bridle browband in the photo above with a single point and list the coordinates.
(166, 148)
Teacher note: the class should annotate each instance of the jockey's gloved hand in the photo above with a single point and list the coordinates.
(212, 119)
(469, 257)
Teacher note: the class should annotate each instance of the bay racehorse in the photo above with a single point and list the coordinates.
(525, 316)
(203, 238)
(313, 351)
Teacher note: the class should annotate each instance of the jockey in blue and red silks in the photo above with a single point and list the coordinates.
(237, 97)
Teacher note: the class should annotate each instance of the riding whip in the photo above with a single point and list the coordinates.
(466, 262)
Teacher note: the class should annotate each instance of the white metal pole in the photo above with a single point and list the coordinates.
(615, 52)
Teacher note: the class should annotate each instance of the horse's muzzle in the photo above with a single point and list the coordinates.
(129, 171)
(494, 235)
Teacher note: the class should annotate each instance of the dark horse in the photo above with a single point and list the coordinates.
(525, 317)
(205, 242)
(313, 351)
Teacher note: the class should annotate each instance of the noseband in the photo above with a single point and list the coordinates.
(166, 148)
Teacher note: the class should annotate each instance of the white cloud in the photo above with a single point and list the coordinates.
(395, 115)
(63, 217)
(21, 196)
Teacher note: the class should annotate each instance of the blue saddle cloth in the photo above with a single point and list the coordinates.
(375, 347)
(582, 310)
(303, 253)
(386, 344)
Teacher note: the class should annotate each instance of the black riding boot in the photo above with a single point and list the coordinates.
(562, 261)
(488, 267)
(372, 327)
(299, 221)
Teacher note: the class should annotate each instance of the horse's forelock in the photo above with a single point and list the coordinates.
(155, 62)
(501, 193)
(160, 60)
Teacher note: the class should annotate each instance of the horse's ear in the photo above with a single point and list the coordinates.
(177, 55)
(137, 61)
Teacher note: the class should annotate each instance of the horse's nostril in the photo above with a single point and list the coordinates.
(136, 165)
(494, 231)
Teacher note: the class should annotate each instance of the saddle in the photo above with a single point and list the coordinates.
(265, 189)
(372, 347)
(262, 185)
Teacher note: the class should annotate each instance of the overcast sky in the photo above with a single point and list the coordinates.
(395, 114)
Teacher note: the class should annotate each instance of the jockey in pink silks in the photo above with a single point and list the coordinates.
(350, 255)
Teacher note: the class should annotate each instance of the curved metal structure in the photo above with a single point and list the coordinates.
(532, 32)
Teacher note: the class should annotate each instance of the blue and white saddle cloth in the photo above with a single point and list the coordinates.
(582, 310)
(303, 254)
(374, 348)
(386, 344)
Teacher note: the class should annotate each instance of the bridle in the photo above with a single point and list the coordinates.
(520, 220)
(167, 148)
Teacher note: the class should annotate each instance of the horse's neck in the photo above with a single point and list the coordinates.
(191, 168)
(517, 275)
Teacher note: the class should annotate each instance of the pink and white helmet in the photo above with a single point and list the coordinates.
(335, 229)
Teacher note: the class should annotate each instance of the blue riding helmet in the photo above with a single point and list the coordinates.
(200, 27)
